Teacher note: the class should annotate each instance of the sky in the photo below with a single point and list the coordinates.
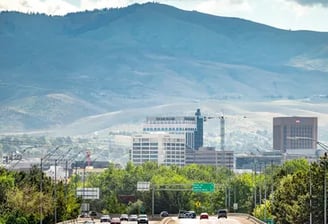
(284, 14)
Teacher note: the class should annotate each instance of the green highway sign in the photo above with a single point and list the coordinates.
(203, 187)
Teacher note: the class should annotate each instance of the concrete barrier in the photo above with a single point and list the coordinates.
(168, 220)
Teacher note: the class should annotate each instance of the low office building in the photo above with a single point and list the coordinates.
(308, 154)
(162, 148)
(210, 156)
(258, 161)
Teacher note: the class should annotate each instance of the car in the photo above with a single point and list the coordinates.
(124, 217)
(133, 217)
(84, 215)
(203, 215)
(105, 219)
(93, 214)
(142, 218)
(115, 220)
(186, 214)
(222, 213)
(182, 214)
(164, 214)
(191, 214)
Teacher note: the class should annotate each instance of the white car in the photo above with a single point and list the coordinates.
(142, 219)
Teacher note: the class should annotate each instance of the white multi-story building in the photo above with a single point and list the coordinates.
(163, 148)
(190, 126)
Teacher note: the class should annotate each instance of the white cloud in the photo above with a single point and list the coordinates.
(58, 7)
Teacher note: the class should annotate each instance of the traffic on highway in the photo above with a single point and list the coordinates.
(184, 217)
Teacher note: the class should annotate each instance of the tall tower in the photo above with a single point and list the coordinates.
(199, 130)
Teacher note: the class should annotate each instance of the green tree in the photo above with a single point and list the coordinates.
(7, 182)
(263, 211)
(291, 198)
(243, 192)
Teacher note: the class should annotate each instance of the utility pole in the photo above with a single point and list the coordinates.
(310, 186)
(55, 192)
(325, 191)
(254, 184)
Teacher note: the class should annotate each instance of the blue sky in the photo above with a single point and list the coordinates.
(285, 14)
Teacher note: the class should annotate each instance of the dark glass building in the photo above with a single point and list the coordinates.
(199, 130)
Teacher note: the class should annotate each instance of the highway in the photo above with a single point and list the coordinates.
(214, 220)
(211, 220)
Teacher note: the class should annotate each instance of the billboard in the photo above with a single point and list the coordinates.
(88, 193)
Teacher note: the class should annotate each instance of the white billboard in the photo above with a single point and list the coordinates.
(143, 186)
(88, 193)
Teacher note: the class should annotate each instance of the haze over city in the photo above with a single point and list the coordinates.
(175, 111)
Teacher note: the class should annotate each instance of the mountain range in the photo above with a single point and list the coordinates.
(108, 69)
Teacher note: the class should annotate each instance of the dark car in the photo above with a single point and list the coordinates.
(143, 218)
(93, 214)
(191, 214)
(222, 213)
(186, 214)
(164, 214)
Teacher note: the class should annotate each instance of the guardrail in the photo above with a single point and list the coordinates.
(73, 221)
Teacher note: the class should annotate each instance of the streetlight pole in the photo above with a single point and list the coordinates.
(255, 196)
(55, 192)
(310, 195)
(325, 191)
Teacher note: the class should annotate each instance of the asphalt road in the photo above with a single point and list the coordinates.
(215, 220)
(211, 220)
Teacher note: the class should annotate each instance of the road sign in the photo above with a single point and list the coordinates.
(197, 204)
(203, 187)
(143, 186)
(88, 193)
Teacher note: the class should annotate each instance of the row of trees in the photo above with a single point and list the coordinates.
(290, 193)
(28, 197)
